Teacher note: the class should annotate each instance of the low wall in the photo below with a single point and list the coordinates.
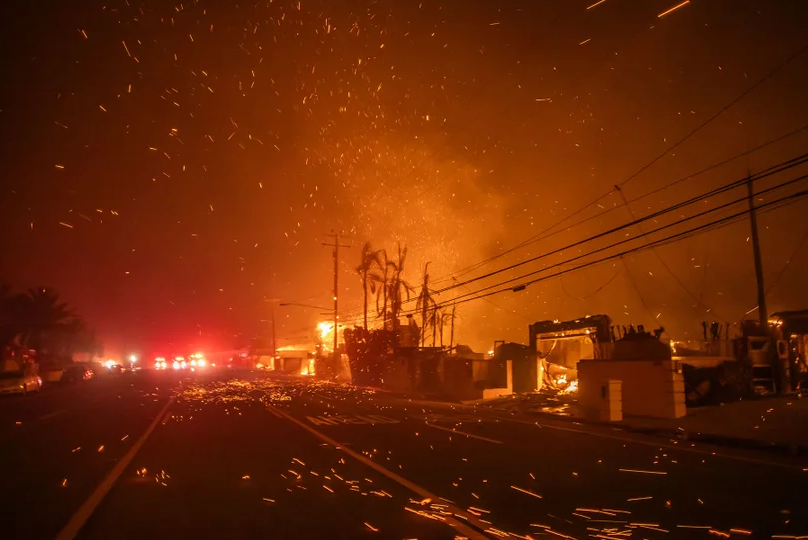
(399, 375)
(462, 378)
(52, 375)
(649, 387)
(444, 375)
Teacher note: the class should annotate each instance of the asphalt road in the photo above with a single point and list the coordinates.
(232, 456)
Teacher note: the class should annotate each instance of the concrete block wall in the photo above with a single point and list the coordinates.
(649, 387)
(611, 407)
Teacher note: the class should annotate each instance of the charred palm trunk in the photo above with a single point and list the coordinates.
(365, 299)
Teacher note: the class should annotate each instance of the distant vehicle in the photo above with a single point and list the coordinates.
(179, 363)
(116, 369)
(77, 372)
(159, 363)
(198, 360)
(17, 382)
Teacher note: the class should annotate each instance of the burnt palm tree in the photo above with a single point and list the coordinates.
(383, 279)
(424, 304)
(398, 287)
(369, 260)
(444, 319)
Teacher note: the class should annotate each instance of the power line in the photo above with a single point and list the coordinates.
(722, 189)
(719, 223)
(593, 293)
(769, 171)
(681, 141)
(673, 238)
(665, 265)
(709, 120)
(720, 111)
(627, 240)
(639, 294)
(669, 185)
(547, 234)
(788, 262)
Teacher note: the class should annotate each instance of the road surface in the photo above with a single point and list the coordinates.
(247, 455)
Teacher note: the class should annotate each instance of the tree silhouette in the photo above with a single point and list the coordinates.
(385, 267)
(40, 313)
(369, 259)
(398, 287)
(425, 305)
(443, 319)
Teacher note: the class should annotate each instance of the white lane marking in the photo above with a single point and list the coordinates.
(342, 419)
(464, 433)
(166, 418)
(415, 488)
(455, 418)
(77, 521)
(275, 413)
(316, 420)
(53, 414)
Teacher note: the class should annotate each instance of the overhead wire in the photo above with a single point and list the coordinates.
(678, 143)
(547, 233)
(668, 268)
(681, 141)
(788, 262)
(713, 225)
(788, 164)
(593, 293)
(765, 173)
(663, 241)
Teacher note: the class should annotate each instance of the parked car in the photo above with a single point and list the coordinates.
(77, 372)
(18, 382)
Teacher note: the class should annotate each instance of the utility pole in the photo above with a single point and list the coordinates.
(763, 313)
(272, 302)
(454, 308)
(336, 245)
(778, 374)
(451, 334)
(274, 343)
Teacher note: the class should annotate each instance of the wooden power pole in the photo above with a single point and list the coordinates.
(763, 313)
(779, 377)
(336, 245)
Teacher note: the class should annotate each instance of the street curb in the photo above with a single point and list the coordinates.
(771, 447)
(781, 448)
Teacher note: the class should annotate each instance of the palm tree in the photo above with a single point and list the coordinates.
(397, 286)
(383, 280)
(369, 259)
(425, 304)
(443, 320)
(39, 312)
